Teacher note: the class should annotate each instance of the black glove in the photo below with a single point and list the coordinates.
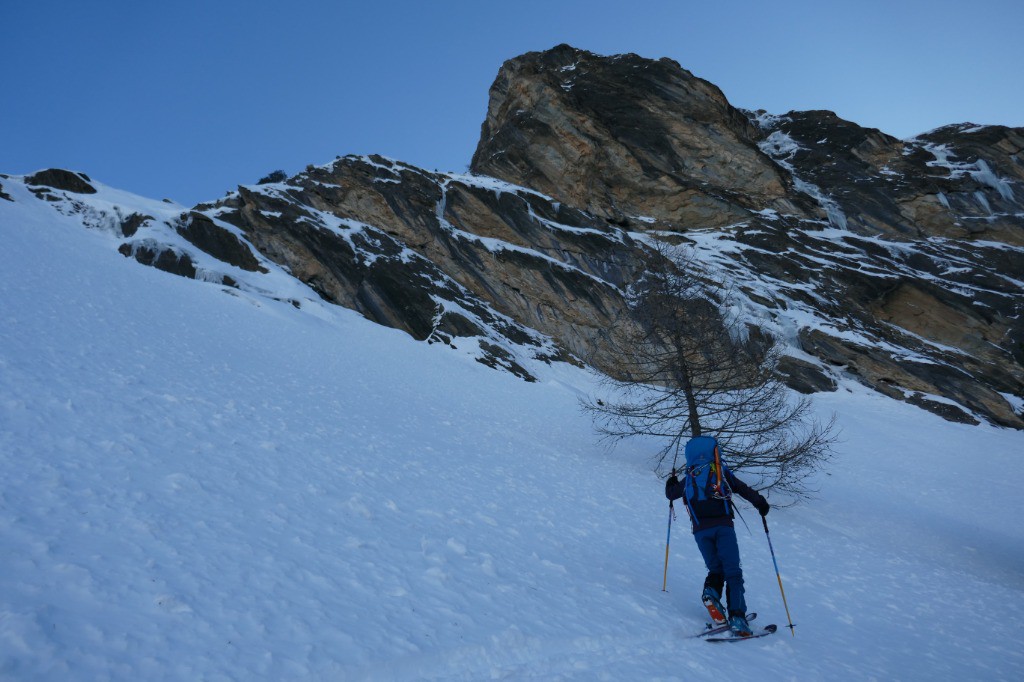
(762, 505)
(670, 485)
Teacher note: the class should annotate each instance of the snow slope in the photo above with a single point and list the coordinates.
(205, 484)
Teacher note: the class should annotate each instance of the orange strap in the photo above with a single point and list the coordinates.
(718, 471)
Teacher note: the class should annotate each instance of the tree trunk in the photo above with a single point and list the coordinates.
(683, 375)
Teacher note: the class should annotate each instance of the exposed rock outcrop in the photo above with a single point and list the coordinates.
(442, 256)
(202, 232)
(58, 178)
(623, 137)
(161, 258)
(961, 181)
(894, 261)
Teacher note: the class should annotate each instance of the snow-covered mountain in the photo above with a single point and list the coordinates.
(240, 481)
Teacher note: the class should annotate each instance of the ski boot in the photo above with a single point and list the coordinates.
(738, 624)
(712, 602)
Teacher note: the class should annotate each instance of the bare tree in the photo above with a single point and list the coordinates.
(686, 369)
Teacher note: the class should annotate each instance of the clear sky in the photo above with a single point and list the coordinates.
(188, 99)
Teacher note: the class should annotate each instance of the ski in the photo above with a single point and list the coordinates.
(716, 629)
(768, 629)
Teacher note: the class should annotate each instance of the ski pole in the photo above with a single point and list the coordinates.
(671, 513)
(764, 520)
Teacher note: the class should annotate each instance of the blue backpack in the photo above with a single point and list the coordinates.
(704, 474)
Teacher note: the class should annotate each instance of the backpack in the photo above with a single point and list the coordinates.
(704, 477)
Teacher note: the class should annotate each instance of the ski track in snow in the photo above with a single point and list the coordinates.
(198, 485)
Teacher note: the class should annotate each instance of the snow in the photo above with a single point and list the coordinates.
(979, 170)
(1016, 402)
(495, 185)
(985, 175)
(767, 121)
(782, 148)
(495, 245)
(201, 483)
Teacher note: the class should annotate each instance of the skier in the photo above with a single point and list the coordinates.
(707, 490)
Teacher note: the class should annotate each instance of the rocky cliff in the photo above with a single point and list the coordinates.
(895, 262)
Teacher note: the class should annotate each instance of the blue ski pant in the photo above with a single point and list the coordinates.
(721, 555)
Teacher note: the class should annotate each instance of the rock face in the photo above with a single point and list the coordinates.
(57, 178)
(961, 181)
(898, 263)
(444, 256)
(625, 136)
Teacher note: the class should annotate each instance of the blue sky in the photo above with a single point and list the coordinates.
(187, 99)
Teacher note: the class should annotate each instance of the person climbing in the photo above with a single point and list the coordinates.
(707, 489)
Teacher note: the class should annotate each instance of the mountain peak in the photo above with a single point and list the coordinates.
(624, 136)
